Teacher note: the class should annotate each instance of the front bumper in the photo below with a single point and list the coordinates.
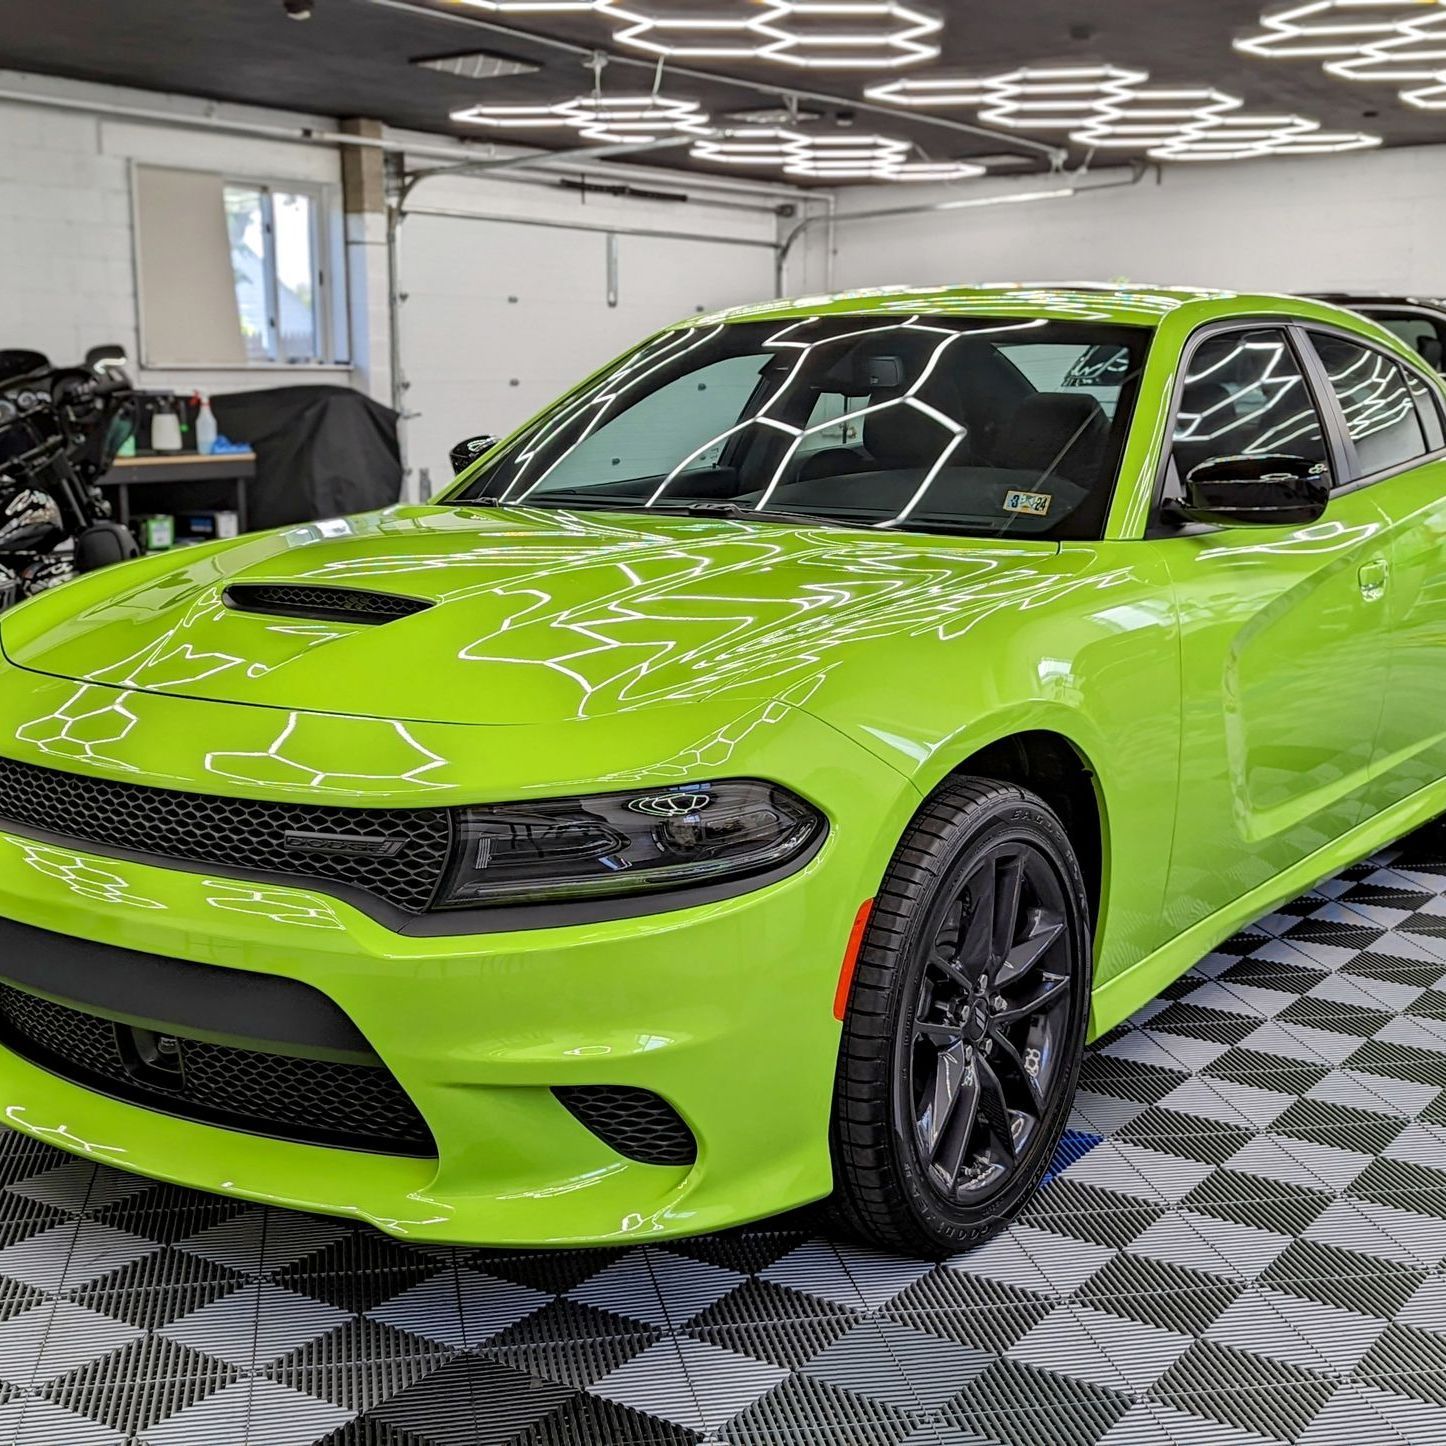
(723, 1009)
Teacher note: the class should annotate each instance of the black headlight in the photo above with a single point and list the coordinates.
(625, 843)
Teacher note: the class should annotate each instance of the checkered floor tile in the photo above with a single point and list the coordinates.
(1241, 1242)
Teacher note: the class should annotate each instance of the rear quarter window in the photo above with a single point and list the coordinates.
(1379, 409)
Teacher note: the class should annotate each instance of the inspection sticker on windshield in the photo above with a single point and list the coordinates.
(1031, 504)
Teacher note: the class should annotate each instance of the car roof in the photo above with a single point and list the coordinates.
(1063, 301)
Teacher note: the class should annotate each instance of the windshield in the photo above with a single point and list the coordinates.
(977, 426)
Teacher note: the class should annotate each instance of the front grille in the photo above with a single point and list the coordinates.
(634, 1122)
(317, 1101)
(245, 835)
(327, 604)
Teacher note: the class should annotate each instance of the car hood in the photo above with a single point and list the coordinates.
(531, 616)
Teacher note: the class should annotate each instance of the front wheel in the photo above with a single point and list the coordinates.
(966, 1022)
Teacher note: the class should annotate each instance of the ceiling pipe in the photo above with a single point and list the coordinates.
(155, 115)
(1056, 155)
(765, 203)
(319, 136)
(1000, 198)
(601, 227)
(488, 165)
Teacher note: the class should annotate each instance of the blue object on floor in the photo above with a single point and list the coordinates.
(1073, 1145)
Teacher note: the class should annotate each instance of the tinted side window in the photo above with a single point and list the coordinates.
(1422, 333)
(1428, 405)
(1379, 409)
(1245, 393)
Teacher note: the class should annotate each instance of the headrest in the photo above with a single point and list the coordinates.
(831, 462)
(1055, 432)
(1205, 410)
(899, 436)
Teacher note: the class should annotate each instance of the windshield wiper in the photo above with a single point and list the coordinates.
(732, 511)
(577, 504)
(735, 511)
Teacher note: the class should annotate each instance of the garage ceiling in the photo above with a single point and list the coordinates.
(359, 58)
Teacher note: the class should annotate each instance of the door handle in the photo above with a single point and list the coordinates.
(1372, 577)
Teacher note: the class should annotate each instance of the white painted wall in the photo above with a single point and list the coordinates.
(501, 317)
(1374, 221)
(66, 235)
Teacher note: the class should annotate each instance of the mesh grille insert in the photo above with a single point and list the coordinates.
(398, 854)
(357, 1106)
(634, 1122)
(329, 604)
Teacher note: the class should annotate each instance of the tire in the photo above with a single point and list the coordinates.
(935, 1015)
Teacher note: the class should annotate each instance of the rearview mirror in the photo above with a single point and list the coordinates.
(464, 454)
(1268, 490)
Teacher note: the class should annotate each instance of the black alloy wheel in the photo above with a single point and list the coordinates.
(966, 1023)
(992, 1008)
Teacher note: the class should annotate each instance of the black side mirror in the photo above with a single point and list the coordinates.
(106, 358)
(1433, 353)
(1268, 490)
(464, 454)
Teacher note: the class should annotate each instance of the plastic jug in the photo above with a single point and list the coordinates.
(205, 425)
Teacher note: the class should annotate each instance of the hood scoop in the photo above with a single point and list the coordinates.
(321, 604)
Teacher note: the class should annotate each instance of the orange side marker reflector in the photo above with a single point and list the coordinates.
(851, 959)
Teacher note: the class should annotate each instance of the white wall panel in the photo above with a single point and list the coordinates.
(1373, 221)
(66, 228)
(500, 318)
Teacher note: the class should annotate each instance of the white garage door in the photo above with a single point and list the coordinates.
(500, 318)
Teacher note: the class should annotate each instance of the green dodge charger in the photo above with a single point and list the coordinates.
(751, 782)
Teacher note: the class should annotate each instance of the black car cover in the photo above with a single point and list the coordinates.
(320, 451)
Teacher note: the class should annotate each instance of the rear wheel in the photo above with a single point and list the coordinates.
(962, 1041)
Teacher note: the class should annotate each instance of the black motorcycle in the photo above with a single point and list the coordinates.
(60, 430)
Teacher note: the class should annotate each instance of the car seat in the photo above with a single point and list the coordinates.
(1055, 434)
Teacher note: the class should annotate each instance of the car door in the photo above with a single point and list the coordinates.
(1284, 631)
(1394, 421)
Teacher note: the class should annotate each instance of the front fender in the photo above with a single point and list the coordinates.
(1095, 660)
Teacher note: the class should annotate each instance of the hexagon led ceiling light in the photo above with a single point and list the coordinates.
(604, 118)
(1208, 125)
(804, 34)
(918, 171)
(838, 157)
(1416, 61)
(1397, 42)
(1327, 29)
(1105, 106)
(1247, 137)
(1031, 98)
(535, 7)
(1152, 117)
